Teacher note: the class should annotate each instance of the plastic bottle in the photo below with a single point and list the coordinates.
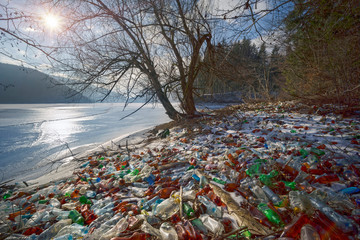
(253, 170)
(166, 208)
(120, 227)
(76, 217)
(317, 151)
(69, 206)
(258, 215)
(74, 229)
(259, 193)
(54, 203)
(147, 228)
(166, 192)
(148, 205)
(135, 236)
(328, 179)
(274, 198)
(84, 200)
(54, 229)
(90, 194)
(350, 190)
(300, 202)
(168, 232)
(326, 228)
(270, 214)
(211, 224)
(199, 225)
(219, 181)
(35, 219)
(293, 229)
(185, 230)
(211, 208)
(341, 221)
(67, 236)
(188, 210)
(308, 232)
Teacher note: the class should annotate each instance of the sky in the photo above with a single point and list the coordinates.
(11, 53)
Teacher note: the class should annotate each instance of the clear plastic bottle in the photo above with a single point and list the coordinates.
(168, 232)
(211, 207)
(35, 219)
(308, 232)
(345, 224)
(54, 203)
(67, 236)
(274, 198)
(54, 229)
(300, 202)
(74, 229)
(259, 193)
(167, 208)
(147, 228)
(211, 224)
(120, 227)
(69, 206)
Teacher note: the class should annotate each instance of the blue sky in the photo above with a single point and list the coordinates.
(22, 54)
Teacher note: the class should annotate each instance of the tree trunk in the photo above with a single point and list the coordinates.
(189, 103)
(169, 108)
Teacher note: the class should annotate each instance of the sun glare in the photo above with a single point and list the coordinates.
(52, 21)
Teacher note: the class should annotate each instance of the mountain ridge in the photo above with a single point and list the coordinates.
(24, 85)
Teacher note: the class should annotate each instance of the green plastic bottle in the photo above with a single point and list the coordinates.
(7, 195)
(190, 168)
(188, 210)
(76, 217)
(135, 172)
(267, 178)
(123, 173)
(303, 152)
(43, 201)
(317, 151)
(253, 170)
(84, 200)
(270, 214)
(198, 224)
(247, 234)
(219, 181)
(291, 185)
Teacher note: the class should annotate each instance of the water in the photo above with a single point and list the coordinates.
(34, 136)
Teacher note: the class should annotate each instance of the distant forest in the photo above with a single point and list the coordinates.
(319, 59)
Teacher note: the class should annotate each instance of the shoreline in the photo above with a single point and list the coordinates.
(68, 165)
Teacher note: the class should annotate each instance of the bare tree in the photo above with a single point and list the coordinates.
(141, 48)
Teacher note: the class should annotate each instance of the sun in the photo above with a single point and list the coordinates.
(52, 21)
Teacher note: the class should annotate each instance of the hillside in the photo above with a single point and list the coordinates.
(24, 85)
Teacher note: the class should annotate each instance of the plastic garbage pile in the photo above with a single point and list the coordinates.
(263, 174)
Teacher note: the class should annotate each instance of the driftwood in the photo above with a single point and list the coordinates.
(172, 165)
(241, 215)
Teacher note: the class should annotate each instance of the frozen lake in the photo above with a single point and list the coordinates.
(33, 136)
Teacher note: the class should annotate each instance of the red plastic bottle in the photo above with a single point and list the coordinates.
(226, 222)
(135, 236)
(231, 187)
(259, 216)
(293, 229)
(328, 179)
(32, 230)
(327, 228)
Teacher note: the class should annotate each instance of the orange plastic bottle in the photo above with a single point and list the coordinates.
(165, 192)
